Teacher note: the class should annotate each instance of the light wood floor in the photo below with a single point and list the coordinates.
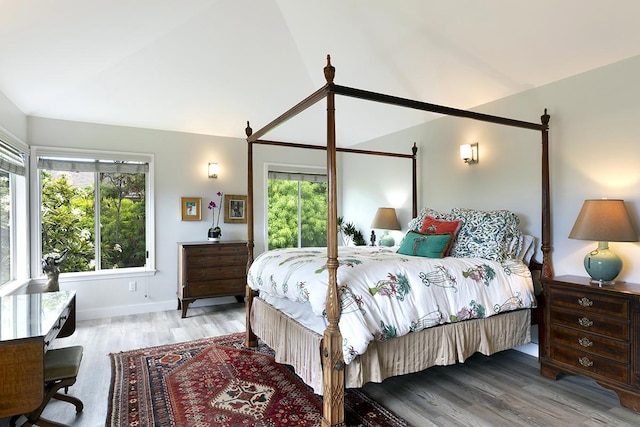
(502, 390)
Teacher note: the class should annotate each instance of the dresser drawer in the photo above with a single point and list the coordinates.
(214, 273)
(214, 288)
(590, 364)
(589, 302)
(221, 260)
(215, 250)
(594, 344)
(591, 323)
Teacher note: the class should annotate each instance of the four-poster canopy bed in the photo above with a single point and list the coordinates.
(309, 352)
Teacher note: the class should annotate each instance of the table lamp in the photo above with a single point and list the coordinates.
(386, 220)
(604, 221)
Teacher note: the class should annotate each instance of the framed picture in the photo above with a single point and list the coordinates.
(191, 208)
(235, 209)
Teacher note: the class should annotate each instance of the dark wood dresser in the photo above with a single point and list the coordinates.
(594, 332)
(211, 269)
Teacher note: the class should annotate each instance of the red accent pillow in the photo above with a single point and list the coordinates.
(431, 225)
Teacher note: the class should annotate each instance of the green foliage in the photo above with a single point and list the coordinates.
(352, 233)
(282, 214)
(68, 221)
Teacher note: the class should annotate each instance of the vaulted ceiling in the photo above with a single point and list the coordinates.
(206, 66)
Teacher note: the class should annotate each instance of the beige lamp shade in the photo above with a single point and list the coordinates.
(386, 219)
(604, 220)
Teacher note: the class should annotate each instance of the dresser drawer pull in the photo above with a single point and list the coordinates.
(585, 302)
(583, 321)
(585, 342)
(202, 273)
(584, 361)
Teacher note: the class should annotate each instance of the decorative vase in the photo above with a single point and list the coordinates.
(214, 234)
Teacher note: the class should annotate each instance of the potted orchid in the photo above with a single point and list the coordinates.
(215, 232)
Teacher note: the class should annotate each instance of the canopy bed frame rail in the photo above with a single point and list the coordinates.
(331, 348)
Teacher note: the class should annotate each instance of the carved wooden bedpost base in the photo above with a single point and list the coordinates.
(333, 371)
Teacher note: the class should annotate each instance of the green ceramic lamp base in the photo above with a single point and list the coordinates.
(603, 265)
(387, 239)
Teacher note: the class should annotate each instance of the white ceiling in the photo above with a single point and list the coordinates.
(206, 66)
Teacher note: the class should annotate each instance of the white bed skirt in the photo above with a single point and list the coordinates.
(447, 344)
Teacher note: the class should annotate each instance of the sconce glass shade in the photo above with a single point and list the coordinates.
(213, 170)
(604, 221)
(386, 220)
(469, 153)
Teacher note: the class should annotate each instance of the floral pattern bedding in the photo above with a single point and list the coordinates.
(384, 294)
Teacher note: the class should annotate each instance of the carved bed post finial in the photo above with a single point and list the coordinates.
(329, 71)
(545, 118)
(248, 130)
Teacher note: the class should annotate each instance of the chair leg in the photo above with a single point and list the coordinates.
(52, 389)
(73, 400)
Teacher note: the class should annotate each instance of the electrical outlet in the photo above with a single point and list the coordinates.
(132, 286)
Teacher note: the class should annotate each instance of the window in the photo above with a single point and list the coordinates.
(96, 206)
(297, 209)
(12, 170)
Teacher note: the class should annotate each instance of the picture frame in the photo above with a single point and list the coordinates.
(235, 209)
(191, 208)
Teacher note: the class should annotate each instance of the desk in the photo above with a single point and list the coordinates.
(28, 325)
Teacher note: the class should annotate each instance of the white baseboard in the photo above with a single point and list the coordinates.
(102, 313)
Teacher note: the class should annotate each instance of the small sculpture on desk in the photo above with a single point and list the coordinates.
(51, 266)
(373, 238)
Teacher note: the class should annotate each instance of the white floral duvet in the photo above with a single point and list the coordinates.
(384, 294)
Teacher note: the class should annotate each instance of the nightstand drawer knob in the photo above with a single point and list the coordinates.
(584, 361)
(585, 302)
(585, 342)
(583, 321)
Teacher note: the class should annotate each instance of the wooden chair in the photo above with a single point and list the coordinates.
(61, 368)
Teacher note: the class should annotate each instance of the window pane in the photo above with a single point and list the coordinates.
(289, 201)
(68, 218)
(313, 219)
(5, 228)
(122, 220)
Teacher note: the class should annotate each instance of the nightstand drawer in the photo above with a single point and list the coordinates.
(594, 344)
(591, 365)
(589, 302)
(591, 323)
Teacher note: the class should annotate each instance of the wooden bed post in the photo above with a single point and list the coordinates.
(547, 266)
(250, 339)
(414, 209)
(332, 357)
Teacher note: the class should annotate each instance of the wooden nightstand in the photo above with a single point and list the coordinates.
(595, 332)
(208, 269)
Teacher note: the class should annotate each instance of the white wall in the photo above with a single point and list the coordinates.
(180, 170)
(594, 152)
(12, 119)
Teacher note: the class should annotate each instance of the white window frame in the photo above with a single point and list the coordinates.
(19, 247)
(36, 222)
(295, 170)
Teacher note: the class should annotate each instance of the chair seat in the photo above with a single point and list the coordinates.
(62, 363)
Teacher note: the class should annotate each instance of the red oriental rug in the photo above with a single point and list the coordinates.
(217, 382)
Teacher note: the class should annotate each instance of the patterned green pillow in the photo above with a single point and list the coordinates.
(424, 245)
(492, 235)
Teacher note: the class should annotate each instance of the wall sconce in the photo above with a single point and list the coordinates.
(213, 170)
(469, 153)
